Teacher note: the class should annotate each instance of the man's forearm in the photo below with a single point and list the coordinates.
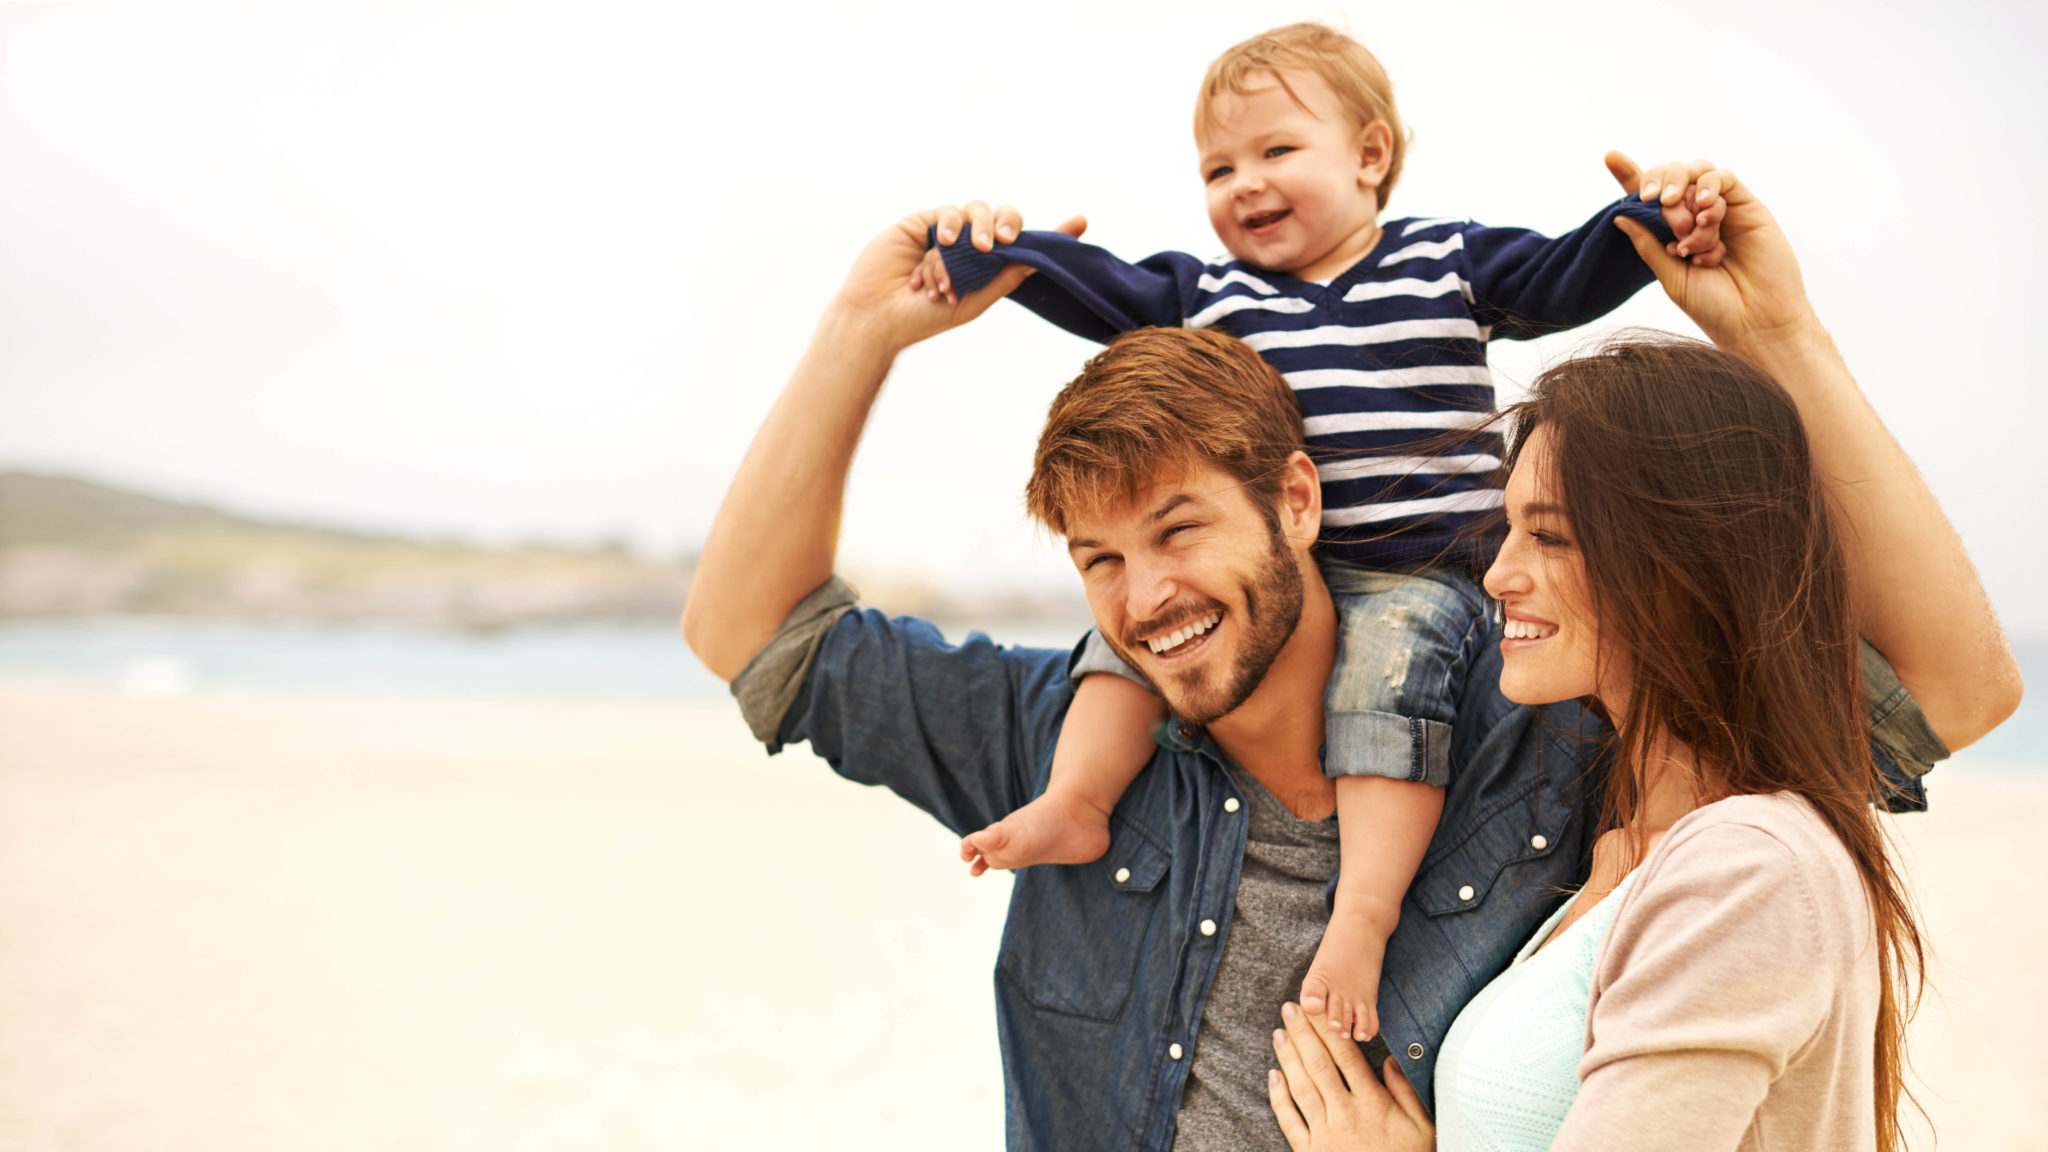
(775, 535)
(1918, 599)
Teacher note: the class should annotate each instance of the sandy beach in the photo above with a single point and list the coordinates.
(280, 924)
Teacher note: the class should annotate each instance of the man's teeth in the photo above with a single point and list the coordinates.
(1525, 630)
(1172, 640)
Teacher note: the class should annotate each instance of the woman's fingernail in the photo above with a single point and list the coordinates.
(1272, 1077)
(1007, 232)
(1289, 1010)
(1279, 1038)
(1650, 189)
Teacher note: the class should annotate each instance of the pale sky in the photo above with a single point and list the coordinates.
(510, 270)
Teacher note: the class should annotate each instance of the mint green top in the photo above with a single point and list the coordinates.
(1510, 1065)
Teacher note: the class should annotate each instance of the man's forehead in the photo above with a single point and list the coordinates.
(1117, 513)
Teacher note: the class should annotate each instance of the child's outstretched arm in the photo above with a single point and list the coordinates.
(1084, 289)
(1525, 284)
(1383, 828)
(1105, 742)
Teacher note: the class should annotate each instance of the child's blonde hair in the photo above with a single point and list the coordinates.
(1354, 74)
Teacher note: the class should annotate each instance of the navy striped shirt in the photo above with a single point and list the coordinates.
(1388, 360)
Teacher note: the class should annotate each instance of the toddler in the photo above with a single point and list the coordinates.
(1381, 331)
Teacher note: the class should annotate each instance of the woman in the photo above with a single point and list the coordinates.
(1739, 967)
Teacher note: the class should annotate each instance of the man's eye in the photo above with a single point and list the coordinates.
(1097, 560)
(1218, 173)
(1177, 529)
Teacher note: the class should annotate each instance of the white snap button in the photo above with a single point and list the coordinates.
(1230, 805)
(1538, 843)
(1173, 1050)
(1465, 893)
(1208, 927)
(1123, 875)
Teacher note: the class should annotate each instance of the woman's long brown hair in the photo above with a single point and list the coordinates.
(1715, 570)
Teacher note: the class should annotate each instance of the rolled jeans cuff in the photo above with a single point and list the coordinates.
(1095, 655)
(1389, 745)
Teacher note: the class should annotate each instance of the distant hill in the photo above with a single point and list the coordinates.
(76, 547)
(36, 508)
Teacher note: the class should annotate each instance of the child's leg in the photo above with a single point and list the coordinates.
(1401, 654)
(1383, 828)
(1106, 740)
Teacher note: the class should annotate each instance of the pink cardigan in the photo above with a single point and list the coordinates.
(1735, 997)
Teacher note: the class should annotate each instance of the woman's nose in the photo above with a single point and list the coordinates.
(1505, 575)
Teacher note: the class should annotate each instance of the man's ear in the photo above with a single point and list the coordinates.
(1301, 499)
(1375, 154)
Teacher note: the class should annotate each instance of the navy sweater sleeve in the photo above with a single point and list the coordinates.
(1525, 284)
(1080, 287)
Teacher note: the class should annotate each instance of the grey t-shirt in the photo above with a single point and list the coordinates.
(1279, 918)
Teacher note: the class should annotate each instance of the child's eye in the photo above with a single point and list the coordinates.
(1218, 173)
(1278, 150)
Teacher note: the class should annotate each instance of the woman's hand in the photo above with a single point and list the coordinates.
(879, 295)
(1327, 1100)
(1753, 298)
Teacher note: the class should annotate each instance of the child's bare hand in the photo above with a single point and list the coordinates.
(986, 227)
(929, 277)
(1693, 214)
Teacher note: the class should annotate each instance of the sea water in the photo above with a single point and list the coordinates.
(154, 656)
(151, 656)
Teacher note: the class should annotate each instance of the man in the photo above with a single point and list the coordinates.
(1136, 995)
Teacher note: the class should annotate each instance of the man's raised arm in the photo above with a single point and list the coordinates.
(776, 533)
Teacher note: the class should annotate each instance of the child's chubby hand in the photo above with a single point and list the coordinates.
(1692, 213)
(986, 227)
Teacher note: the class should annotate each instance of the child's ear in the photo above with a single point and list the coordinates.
(1375, 153)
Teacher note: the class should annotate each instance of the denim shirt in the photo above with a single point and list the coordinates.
(1103, 970)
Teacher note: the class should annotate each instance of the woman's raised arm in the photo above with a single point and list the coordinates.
(1919, 600)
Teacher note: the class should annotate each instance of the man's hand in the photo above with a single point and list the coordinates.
(1752, 297)
(885, 294)
(1694, 222)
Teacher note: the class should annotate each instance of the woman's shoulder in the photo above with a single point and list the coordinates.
(1774, 825)
(1762, 857)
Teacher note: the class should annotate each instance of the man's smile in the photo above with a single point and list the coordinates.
(1186, 639)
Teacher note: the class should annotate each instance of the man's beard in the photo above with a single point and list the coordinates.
(1272, 610)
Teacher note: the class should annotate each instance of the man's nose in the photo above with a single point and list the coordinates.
(1149, 586)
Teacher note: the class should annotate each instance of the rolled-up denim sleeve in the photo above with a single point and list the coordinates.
(963, 731)
(1902, 742)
